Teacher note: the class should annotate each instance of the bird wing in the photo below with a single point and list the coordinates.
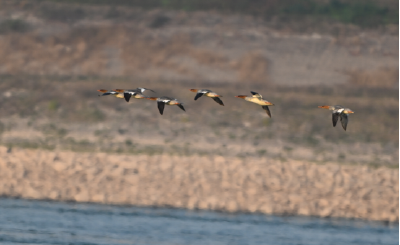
(181, 106)
(218, 100)
(160, 106)
(127, 96)
(198, 95)
(335, 117)
(266, 108)
(141, 90)
(344, 120)
(255, 94)
(106, 93)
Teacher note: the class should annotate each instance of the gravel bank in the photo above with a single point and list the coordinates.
(200, 182)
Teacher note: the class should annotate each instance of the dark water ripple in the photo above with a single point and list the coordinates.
(41, 222)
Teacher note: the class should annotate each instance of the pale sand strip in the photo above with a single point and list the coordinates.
(216, 183)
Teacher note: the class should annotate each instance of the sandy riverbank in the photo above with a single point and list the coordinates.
(216, 183)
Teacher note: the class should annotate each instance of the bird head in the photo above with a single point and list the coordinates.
(151, 98)
(241, 96)
(193, 90)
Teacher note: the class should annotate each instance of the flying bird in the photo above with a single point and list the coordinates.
(208, 93)
(257, 98)
(164, 100)
(338, 111)
(106, 92)
(135, 93)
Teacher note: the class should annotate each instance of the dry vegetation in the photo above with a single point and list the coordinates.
(56, 113)
(122, 51)
(377, 78)
(54, 57)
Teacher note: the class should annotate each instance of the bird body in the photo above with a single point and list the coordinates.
(257, 99)
(164, 100)
(208, 93)
(338, 111)
(135, 93)
(107, 92)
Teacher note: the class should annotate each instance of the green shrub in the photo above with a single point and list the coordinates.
(13, 25)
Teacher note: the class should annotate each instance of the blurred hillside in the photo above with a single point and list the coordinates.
(365, 13)
(55, 55)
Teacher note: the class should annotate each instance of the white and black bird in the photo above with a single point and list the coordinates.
(257, 99)
(208, 93)
(164, 100)
(135, 93)
(338, 111)
(108, 92)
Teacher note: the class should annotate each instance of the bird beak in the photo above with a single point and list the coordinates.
(324, 106)
(241, 96)
(193, 90)
(151, 98)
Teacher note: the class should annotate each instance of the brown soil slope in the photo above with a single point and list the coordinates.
(55, 39)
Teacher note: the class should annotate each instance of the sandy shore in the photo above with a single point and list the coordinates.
(198, 182)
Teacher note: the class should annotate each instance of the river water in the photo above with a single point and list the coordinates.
(42, 222)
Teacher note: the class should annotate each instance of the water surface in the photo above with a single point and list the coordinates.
(42, 222)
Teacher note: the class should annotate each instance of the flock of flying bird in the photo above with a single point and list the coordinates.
(338, 111)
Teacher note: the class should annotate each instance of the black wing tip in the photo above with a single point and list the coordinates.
(335, 118)
(181, 106)
(266, 108)
(161, 106)
(127, 97)
(218, 100)
(253, 93)
(198, 95)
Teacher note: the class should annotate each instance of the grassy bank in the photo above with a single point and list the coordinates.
(66, 113)
(364, 13)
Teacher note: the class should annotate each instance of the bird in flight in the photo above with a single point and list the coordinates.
(164, 100)
(107, 92)
(136, 93)
(208, 93)
(338, 111)
(257, 98)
